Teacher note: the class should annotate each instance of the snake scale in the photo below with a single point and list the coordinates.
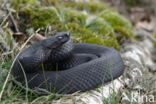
(57, 65)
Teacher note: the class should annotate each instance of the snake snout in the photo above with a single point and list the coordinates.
(57, 40)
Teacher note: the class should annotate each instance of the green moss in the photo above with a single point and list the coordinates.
(69, 15)
(39, 17)
(96, 31)
(18, 4)
(50, 2)
(100, 27)
(91, 7)
(44, 16)
(115, 19)
(125, 33)
(119, 23)
(82, 34)
(112, 20)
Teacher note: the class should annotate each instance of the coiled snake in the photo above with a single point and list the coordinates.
(57, 65)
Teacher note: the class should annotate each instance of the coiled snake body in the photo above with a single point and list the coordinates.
(57, 65)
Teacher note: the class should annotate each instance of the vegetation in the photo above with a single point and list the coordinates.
(132, 2)
(90, 22)
(68, 16)
(154, 35)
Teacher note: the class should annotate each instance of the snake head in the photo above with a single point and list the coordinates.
(57, 40)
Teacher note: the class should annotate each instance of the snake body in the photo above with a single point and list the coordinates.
(57, 65)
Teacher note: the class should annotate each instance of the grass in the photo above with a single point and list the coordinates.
(10, 93)
(113, 99)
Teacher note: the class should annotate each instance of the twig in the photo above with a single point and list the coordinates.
(25, 78)
(4, 3)
(12, 20)
(4, 20)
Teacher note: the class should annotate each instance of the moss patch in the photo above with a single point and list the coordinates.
(38, 17)
(18, 4)
(100, 26)
(125, 33)
(69, 16)
(82, 34)
(115, 19)
(90, 7)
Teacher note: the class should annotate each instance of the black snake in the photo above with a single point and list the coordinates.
(57, 65)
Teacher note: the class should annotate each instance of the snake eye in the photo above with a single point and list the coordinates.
(60, 37)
